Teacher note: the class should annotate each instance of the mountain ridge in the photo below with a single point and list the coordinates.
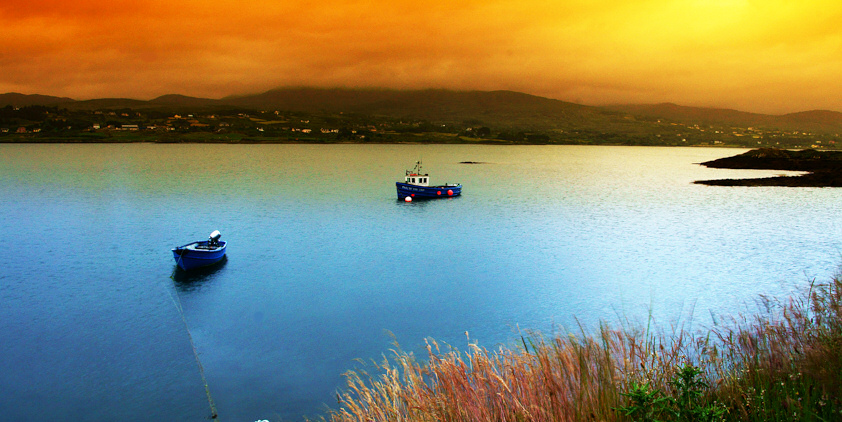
(515, 108)
(17, 99)
(825, 121)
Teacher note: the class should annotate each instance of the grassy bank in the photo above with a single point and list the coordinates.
(783, 364)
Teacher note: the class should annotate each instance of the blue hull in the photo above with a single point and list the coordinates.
(198, 254)
(427, 192)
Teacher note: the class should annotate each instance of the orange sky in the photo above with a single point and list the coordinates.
(769, 56)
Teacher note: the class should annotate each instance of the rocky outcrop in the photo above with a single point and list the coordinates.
(824, 167)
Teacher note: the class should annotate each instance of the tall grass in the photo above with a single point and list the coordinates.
(784, 363)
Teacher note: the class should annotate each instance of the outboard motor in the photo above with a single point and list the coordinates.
(213, 240)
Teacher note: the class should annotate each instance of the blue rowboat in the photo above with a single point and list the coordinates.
(200, 253)
(416, 185)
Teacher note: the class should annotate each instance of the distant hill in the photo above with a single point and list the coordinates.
(107, 104)
(499, 109)
(396, 102)
(816, 121)
(809, 121)
(21, 100)
(436, 105)
(676, 112)
(183, 100)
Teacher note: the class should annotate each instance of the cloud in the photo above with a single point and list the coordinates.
(767, 56)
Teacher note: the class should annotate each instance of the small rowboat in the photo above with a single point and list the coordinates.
(416, 185)
(200, 253)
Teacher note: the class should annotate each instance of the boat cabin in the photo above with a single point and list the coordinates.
(415, 177)
(418, 179)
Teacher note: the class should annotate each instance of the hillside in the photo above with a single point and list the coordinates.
(821, 121)
(182, 100)
(21, 100)
(493, 108)
(107, 104)
(824, 121)
(506, 115)
(498, 108)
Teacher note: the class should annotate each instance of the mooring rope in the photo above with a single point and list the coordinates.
(177, 302)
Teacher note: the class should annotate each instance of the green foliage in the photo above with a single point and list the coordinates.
(645, 403)
(687, 404)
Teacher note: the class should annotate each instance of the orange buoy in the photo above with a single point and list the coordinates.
(450, 192)
(408, 199)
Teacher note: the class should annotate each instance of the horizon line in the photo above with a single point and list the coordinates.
(385, 89)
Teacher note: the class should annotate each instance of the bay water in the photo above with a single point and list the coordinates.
(327, 271)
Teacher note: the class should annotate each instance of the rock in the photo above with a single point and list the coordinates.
(824, 167)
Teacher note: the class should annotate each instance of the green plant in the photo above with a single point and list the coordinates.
(688, 404)
(645, 405)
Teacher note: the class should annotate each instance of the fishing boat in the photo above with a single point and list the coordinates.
(416, 185)
(200, 253)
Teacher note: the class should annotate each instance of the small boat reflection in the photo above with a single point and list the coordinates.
(189, 280)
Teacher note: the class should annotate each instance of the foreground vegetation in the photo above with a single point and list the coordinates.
(784, 364)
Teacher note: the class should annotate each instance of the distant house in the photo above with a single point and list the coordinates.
(21, 130)
(129, 127)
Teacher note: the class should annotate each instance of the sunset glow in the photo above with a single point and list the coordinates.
(770, 56)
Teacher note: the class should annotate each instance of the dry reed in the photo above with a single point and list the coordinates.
(782, 364)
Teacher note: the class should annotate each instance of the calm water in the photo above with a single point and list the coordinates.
(325, 265)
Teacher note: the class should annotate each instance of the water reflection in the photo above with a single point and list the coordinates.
(423, 201)
(195, 278)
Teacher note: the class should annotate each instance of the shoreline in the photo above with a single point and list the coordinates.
(316, 141)
(823, 168)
